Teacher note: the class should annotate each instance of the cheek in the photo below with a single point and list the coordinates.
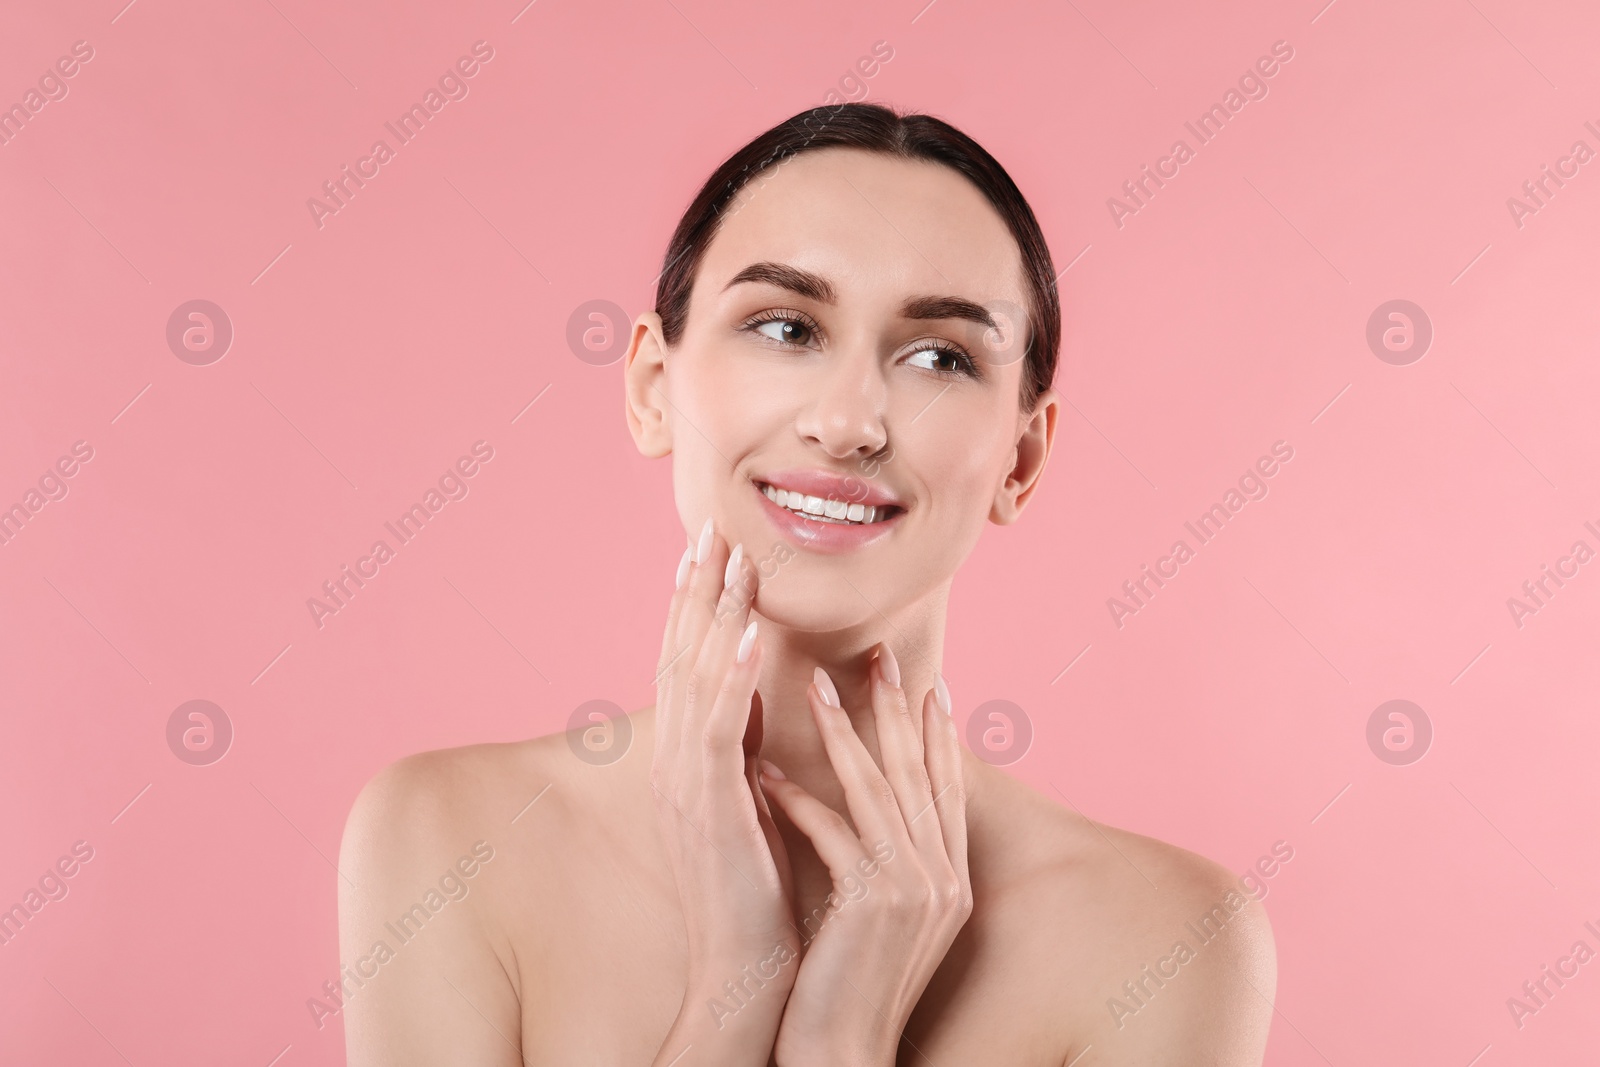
(962, 479)
(958, 482)
(721, 412)
(729, 406)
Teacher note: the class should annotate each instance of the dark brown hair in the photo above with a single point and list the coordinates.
(874, 128)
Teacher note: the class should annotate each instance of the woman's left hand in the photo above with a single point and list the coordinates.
(901, 891)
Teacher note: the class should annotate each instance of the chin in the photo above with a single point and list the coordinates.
(820, 602)
(816, 614)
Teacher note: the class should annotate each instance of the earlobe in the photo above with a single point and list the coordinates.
(1029, 457)
(644, 384)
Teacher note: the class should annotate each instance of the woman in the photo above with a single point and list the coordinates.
(795, 862)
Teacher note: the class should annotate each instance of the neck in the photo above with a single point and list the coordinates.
(789, 733)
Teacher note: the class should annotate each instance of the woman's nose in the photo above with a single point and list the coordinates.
(844, 416)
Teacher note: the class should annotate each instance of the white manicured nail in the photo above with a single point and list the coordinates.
(683, 567)
(747, 642)
(702, 551)
(830, 695)
(941, 693)
(732, 570)
(888, 666)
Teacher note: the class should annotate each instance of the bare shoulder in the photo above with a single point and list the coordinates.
(444, 790)
(430, 868)
(1153, 953)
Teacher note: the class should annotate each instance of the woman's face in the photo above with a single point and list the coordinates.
(832, 351)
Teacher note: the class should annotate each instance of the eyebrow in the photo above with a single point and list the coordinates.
(818, 288)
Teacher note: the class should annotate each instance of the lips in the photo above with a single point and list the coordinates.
(828, 512)
(828, 485)
(827, 509)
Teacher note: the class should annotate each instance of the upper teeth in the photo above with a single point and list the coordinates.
(824, 509)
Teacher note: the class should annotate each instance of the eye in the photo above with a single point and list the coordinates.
(784, 326)
(945, 360)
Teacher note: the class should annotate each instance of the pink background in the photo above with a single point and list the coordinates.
(370, 353)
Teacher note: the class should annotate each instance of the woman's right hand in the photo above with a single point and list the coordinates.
(726, 855)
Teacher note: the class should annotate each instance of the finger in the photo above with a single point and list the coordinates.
(769, 825)
(945, 774)
(900, 743)
(755, 727)
(829, 833)
(725, 637)
(666, 721)
(703, 587)
(867, 792)
(674, 649)
(722, 739)
(675, 608)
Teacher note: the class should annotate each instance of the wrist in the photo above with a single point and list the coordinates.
(744, 977)
(838, 1046)
(714, 1031)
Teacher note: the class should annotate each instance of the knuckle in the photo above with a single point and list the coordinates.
(712, 745)
(695, 688)
(949, 895)
(731, 687)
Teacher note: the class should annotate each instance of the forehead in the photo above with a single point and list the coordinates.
(877, 226)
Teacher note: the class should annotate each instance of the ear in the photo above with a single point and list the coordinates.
(1032, 452)
(644, 375)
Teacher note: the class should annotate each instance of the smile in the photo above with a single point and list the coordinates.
(827, 509)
